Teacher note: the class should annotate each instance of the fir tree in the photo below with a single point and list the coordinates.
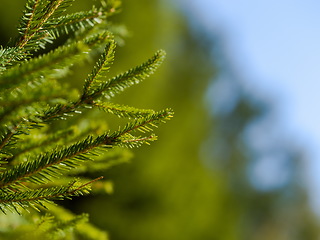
(47, 140)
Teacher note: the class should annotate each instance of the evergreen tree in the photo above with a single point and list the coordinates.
(50, 136)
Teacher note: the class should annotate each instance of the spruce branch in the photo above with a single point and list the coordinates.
(83, 21)
(43, 21)
(7, 135)
(48, 64)
(52, 164)
(145, 124)
(44, 141)
(29, 144)
(10, 133)
(122, 110)
(134, 76)
(45, 94)
(33, 23)
(111, 158)
(36, 197)
(44, 65)
(108, 88)
(8, 56)
(101, 69)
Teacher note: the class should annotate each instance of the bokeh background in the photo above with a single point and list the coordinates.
(222, 168)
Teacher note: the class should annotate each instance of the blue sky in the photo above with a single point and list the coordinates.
(276, 44)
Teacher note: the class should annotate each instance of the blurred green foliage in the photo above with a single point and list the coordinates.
(167, 192)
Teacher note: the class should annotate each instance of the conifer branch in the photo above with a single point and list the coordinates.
(111, 158)
(122, 110)
(134, 76)
(45, 167)
(43, 21)
(28, 145)
(10, 104)
(101, 69)
(43, 66)
(36, 15)
(116, 84)
(36, 197)
(26, 21)
(8, 56)
(7, 136)
(52, 164)
(78, 21)
(49, 63)
(146, 124)
(10, 133)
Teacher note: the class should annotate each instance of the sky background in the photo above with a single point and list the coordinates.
(275, 44)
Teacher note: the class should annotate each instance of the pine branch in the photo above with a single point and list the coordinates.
(48, 93)
(35, 68)
(109, 159)
(101, 69)
(36, 197)
(129, 78)
(43, 141)
(40, 141)
(51, 165)
(10, 133)
(122, 110)
(48, 64)
(145, 124)
(98, 187)
(7, 135)
(33, 23)
(44, 65)
(116, 84)
(84, 21)
(9, 56)
(43, 21)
